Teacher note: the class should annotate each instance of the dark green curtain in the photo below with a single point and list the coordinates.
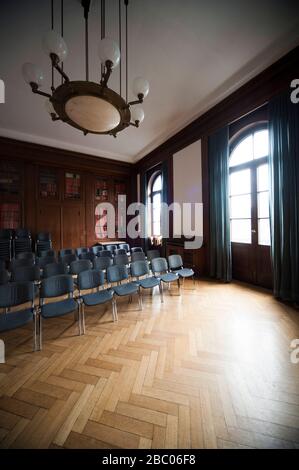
(164, 215)
(220, 247)
(284, 198)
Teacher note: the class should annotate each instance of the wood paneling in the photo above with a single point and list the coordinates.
(73, 225)
(48, 216)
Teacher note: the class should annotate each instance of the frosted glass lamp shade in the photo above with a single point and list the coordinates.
(109, 50)
(55, 44)
(140, 86)
(137, 114)
(32, 73)
(49, 107)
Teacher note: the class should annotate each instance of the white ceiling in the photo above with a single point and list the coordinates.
(193, 52)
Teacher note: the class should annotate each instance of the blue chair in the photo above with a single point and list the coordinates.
(66, 251)
(58, 286)
(102, 263)
(91, 256)
(2, 264)
(175, 264)
(152, 254)
(94, 280)
(44, 260)
(81, 250)
(121, 259)
(25, 255)
(139, 269)
(110, 248)
(120, 251)
(27, 274)
(105, 253)
(43, 242)
(4, 276)
(136, 249)
(80, 265)
(160, 269)
(138, 256)
(44, 253)
(68, 259)
(53, 269)
(125, 246)
(96, 249)
(15, 294)
(117, 274)
(17, 263)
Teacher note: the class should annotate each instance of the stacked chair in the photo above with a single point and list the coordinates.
(43, 242)
(22, 241)
(5, 244)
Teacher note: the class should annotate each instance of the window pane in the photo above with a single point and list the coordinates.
(240, 182)
(157, 186)
(240, 207)
(156, 229)
(157, 200)
(261, 143)
(263, 177)
(243, 152)
(240, 230)
(264, 231)
(263, 204)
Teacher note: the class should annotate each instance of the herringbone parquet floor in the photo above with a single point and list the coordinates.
(208, 369)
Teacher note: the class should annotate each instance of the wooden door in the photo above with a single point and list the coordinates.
(73, 225)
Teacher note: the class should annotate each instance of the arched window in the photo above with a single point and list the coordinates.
(249, 187)
(155, 199)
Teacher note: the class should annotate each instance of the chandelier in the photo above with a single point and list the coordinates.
(89, 106)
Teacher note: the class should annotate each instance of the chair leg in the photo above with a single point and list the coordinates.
(140, 299)
(179, 286)
(82, 319)
(114, 306)
(40, 332)
(161, 292)
(35, 331)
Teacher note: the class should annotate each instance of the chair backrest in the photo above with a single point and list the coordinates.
(96, 249)
(124, 246)
(16, 293)
(90, 279)
(47, 253)
(22, 244)
(53, 269)
(120, 251)
(2, 264)
(81, 250)
(136, 249)
(159, 265)
(56, 286)
(121, 259)
(117, 273)
(106, 253)
(4, 276)
(26, 273)
(6, 234)
(16, 263)
(152, 254)
(43, 237)
(68, 259)
(175, 262)
(138, 256)
(22, 233)
(80, 265)
(111, 248)
(25, 255)
(139, 268)
(44, 260)
(102, 263)
(66, 251)
(89, 255)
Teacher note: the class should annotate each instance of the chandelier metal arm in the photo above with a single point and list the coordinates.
(55, 63)
(135, 124)
(34, 88)
(107, 73)
(140, 100)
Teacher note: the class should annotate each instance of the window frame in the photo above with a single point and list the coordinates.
(252, 165)
(150, 197)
